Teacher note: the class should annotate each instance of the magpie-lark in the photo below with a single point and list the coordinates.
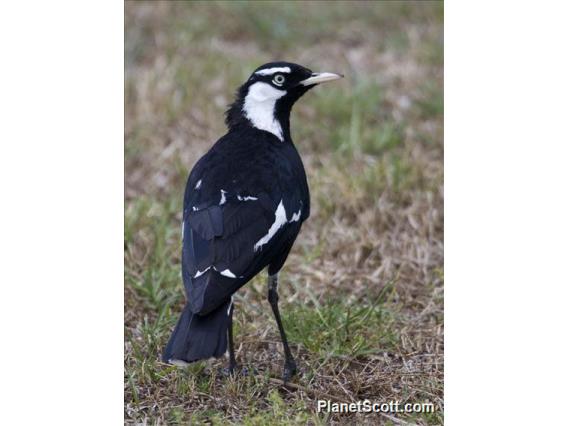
(244, 204)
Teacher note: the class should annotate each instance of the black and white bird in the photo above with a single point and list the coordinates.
(244, 204)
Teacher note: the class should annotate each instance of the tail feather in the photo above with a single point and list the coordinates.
(197, 337)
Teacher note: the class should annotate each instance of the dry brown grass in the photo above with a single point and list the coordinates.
(373, 150)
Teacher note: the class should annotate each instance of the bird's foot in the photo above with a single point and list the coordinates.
(234, 370)
(230, 370)
(290, 369)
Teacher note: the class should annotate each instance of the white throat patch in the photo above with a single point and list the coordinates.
(259, 107)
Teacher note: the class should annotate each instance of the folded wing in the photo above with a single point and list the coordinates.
(229, 236)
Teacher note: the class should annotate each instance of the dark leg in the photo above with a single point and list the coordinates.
(232, 360)
(289, 363)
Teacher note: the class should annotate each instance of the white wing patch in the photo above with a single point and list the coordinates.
(247, 198)
(199, 273)
(223, 198)
(279, 221)
(230, 305)
(296, 216)
(227, 273)
(270, 71)
(198, 184)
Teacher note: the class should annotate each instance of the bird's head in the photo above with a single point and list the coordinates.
(266, 98)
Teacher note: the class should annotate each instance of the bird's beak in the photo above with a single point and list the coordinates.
(320, 77)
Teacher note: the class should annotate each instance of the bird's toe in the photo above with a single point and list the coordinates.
(290, 369)
(228, 371)
(236, 370)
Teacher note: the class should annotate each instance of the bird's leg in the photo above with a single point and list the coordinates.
(289, 363)
(232, 359)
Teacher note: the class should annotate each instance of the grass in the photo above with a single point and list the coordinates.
(362, 291)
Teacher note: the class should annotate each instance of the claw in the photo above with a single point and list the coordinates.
(226, 371)
(290, 369)
(234, 370)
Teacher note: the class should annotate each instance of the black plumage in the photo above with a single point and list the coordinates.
(244, 204)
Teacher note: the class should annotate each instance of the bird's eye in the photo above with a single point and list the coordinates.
(278, 79)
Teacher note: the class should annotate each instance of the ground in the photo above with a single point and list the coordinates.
(362, 291)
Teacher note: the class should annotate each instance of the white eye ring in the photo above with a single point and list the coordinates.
(278, 79)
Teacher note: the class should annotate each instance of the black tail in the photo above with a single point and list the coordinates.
(198, 337)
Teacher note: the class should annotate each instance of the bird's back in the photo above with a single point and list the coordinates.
(244, 204)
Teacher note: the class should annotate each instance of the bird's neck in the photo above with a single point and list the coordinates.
(271, 115)
(262, 115)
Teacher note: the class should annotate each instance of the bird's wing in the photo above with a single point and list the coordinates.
(229, 236)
